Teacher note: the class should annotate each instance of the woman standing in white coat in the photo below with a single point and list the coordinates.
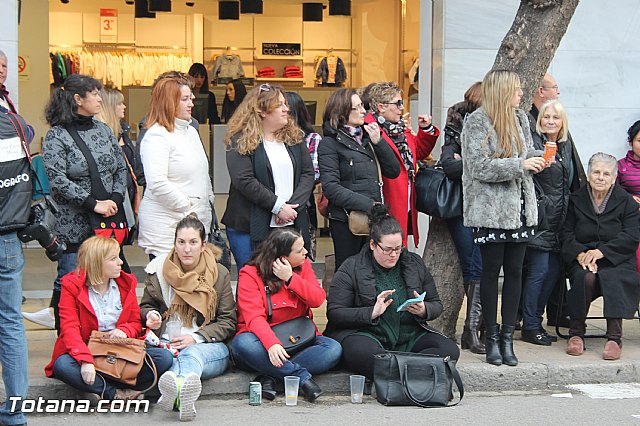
(175, 166)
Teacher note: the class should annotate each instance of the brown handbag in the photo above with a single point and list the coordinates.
(119, 359)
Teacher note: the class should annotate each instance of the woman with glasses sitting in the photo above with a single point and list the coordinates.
(271, 172)
(387, 106)
(348, 157)
(370, 287)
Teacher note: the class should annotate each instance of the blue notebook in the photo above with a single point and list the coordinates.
(403, 307)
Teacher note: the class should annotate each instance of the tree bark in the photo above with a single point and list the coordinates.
(441, 258)
(532, 41)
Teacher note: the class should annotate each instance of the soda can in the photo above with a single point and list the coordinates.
(255, 393)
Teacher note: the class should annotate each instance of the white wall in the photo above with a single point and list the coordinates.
(596, 65)
(9, 45)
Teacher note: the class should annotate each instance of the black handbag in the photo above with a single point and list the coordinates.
(217, 239)
(436, 194)
(295, 334)
(405, 378)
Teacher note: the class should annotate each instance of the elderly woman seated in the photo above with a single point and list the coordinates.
(600, 238)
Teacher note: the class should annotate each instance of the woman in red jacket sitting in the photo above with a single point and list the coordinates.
(280, 265)
(99, 296)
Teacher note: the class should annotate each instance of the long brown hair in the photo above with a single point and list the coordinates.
(279, 243)
(165, 101)
(246, 121)
(498, 88)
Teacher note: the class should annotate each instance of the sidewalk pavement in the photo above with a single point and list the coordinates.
(540, 367)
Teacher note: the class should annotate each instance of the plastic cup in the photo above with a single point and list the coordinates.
(173, 329)
(291, 384)
(357, 388)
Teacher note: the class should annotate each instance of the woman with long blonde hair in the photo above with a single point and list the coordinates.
(271, 172)
(499, 201)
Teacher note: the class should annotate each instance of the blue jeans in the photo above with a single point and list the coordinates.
(66, 264)
(249, 354)
(207, 360)
(240, 246)
(67, 369)
(468, 251)
(543, 270)
(13, 347)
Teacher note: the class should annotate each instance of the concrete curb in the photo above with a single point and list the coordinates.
(477, 377)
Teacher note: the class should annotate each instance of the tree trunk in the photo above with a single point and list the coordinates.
(441, 258)
(531, 43)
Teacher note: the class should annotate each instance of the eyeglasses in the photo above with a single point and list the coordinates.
(389, 250)
(265, 87)
(551, 88)
(399, 103)
(358, 107)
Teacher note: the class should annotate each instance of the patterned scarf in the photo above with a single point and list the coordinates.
(194, 289)
(396, 132)
(355, 133)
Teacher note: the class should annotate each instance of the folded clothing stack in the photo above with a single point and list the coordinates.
(292, 72)
(266, 72)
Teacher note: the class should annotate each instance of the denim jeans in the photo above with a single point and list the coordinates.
(13, 349)
(207, 360)
(249, 354)
(240, 246)
(543, 270)
(66, 264)
(468, 251)
(67, 369)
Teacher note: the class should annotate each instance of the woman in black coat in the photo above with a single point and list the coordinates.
(349, 169)
(368, 289)
(600, 239)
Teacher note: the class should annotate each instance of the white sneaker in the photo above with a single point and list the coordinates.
(189, 394)
(43, 317)
(168, 386)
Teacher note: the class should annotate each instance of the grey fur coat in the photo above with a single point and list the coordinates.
(492, 187)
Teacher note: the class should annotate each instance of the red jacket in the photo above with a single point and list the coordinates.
(396, 191)
(78, 319)
(292, 301)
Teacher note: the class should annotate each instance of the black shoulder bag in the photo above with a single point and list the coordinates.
(113, 226)
(295, 334)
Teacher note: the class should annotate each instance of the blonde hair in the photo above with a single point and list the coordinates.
(381, 93)
(92, 254)
(564, 130)
(246, 121)
(111, 98)
(498, 88)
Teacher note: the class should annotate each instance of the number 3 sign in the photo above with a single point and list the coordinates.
(108, 25)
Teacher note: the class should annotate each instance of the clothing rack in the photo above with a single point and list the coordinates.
(114, 46)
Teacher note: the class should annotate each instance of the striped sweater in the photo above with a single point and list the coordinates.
(629, 174)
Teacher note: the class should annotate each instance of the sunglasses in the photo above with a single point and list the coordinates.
(399, 103)
(265, 87)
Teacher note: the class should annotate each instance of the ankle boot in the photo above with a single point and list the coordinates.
(492, 344)
(506, 345)
(470, 339)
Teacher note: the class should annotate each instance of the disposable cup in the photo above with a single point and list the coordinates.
(291, 384)
(357, 388)
(173, 329)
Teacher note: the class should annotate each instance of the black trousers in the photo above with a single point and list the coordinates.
(358, 351)
(345, 244)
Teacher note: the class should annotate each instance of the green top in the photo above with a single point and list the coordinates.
(395, 331)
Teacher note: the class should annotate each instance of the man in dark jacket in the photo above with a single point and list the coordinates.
(15, 202)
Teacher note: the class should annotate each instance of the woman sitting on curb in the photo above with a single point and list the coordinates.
(188, 283)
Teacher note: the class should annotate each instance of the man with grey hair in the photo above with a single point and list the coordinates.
(5, 103)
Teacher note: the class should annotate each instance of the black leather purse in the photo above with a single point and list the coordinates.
(217, 239)
(295, 334)
(436, 194)
(405, 378)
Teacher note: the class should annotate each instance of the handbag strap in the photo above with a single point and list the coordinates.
(269, 310)
(379, 174)
(97, 188)
(449, 365)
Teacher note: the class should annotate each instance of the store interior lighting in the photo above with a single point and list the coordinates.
(190, 3)
(228, 10)
(130, 2)
(251, 6)
(340, 7)
(64, 1)
(312, 12)
(142, 9)
(159, 5)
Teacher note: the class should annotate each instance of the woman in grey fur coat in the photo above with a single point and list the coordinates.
(500, 202)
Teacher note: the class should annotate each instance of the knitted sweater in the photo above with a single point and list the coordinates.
(629, 174)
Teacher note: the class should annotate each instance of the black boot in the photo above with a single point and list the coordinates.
(470, 339)
(506, 345)
(55, 299)
(492, 344)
